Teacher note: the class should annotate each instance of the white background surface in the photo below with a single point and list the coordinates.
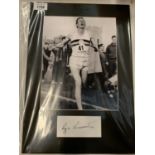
(144, 81)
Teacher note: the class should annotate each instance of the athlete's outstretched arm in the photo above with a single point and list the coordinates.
(64, 41)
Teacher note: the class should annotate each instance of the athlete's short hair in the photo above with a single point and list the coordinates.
(78, 20)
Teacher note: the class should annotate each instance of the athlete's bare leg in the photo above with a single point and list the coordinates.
(84, 74)
(77, 78)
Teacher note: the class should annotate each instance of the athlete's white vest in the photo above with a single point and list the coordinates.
(81, 48)
(80, 44)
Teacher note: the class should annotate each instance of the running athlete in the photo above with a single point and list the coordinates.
(80, 42)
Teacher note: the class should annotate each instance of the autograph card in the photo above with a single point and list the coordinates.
(79, 126)
(79, 90)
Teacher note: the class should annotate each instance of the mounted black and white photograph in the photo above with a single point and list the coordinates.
(79, 63)
(78, 96)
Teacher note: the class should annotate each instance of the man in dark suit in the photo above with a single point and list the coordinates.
(111, 56)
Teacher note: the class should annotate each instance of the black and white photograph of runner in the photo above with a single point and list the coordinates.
(79, 64)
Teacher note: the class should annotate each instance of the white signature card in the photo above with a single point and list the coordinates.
(79, 126)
